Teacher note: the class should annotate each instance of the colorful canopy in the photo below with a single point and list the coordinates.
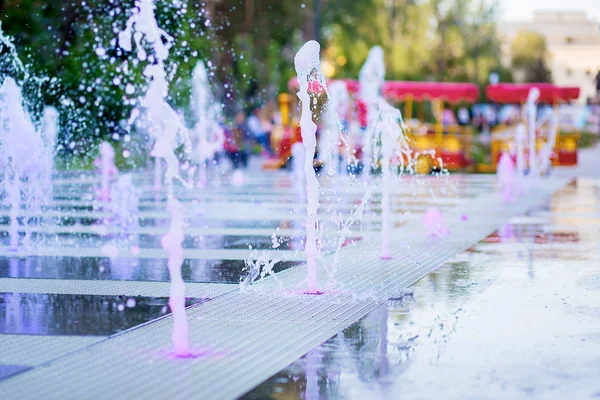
(517, 93)
(401, 90)
(450, 92)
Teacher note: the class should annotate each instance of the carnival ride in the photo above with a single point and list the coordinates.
(550, 97)
(443, 143)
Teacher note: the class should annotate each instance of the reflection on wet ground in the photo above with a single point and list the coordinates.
(516, 316)
(392, 350)
(8, 370)
(146, 241)
(216, 271)
(63, 314)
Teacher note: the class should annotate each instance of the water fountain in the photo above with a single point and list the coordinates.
(308, 69)
(108, 170)
(531, 110)
(208, 135)
(434, 222)
(298, 166)
(507, 177)
(24, 159)
(330, 140)
(520, 150)
(384, 137)
(169, 131)
(50, 121)
(545, 154)
(125, 198)
(371, 78)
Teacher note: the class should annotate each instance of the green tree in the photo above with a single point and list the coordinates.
(530, 57)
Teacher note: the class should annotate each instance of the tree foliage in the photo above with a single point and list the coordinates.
(248, 45)
(530, 57)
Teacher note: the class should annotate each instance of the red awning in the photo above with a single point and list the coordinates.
(517, 93)
(450, 92)
(400, 90)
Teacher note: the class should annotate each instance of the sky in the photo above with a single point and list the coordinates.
(523, 9)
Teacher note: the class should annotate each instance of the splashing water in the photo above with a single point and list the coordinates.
(258, 266)
(16, 63)
(172, 243)
(125, 201)
(144, 22)
(545, 156)
(238, 178)
(49, 132)
(507, 177)
(384, 136)
(308, 68)
(330, 140)
(520, 150)
(25, 159)
(539, 162)
(108, 170)
(434, 222)
(165, 125)
(371, 78)
(208, 134)
(167, 128)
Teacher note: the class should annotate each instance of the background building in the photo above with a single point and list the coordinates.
(573, 42)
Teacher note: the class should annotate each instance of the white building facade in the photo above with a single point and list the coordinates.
(573, 43)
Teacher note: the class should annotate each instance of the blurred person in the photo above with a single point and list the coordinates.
(448, 117)
(597, 79)
(236, 142)
(266, 117)
(463, 116)
(257, 130)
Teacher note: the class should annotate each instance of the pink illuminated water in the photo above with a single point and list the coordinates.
(237, 178)
(507, 177)
(434, 222)
(172, 243)
(168, 130)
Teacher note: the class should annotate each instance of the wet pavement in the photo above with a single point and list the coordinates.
(516, 316)
(131, 269)
(406, 347)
